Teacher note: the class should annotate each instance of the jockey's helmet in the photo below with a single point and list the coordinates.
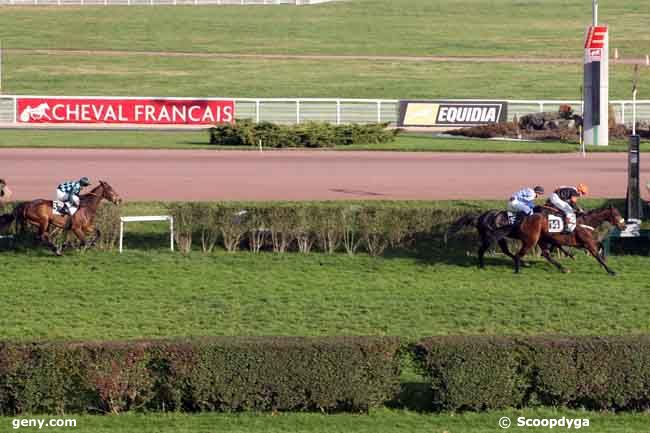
(84, 181)
(583, 189)
(539, 190)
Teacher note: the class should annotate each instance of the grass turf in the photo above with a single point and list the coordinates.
(153, 293)
(78, 74)
(379, 421)
(398, 27)
(199, 140)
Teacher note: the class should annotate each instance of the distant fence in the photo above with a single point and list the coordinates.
(288, 111)
(156, 2)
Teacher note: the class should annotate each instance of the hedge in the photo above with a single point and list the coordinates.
(308, 134)
(223, 374)
(480, 373)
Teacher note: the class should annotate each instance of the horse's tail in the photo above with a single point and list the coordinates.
(17, 215)
(6, 220)
(470, 219)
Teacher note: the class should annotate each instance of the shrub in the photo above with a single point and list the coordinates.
(199, 374)
(308, 134)
(473, 373)
(476, 373)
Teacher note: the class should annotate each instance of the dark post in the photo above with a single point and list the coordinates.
(633, 209)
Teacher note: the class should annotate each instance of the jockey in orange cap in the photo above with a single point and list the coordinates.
(565, 198)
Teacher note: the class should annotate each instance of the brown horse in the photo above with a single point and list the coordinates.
(533, 230)
(40, 213)
(491, 226)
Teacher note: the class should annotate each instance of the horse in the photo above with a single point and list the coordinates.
(40, 213)
(491, 226)
(534, 230)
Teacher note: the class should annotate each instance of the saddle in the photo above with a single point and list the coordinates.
(61, 208)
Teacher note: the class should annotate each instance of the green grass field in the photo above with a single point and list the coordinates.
(74, 74)
(379, 421)
(381, 27)
(199, 140)
(549, 29)
(150, 292)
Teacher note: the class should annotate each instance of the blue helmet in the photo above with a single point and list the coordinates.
(84, 181)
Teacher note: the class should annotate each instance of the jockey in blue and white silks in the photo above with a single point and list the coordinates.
(522, 202)
(68, 193)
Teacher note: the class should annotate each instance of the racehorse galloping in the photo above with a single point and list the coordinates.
(40, 213)
(493, 226)
(533, 230)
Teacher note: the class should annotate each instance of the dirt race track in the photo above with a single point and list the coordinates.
(309, 175)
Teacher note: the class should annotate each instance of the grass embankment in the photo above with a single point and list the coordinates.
(136, 75)
(369, 27)
(199, 140)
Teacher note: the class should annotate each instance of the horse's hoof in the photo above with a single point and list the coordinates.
(612, 273)
(525, 265)
(59, 253)
(565, 271)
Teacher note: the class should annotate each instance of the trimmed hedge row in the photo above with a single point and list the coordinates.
(308, 134)
(305, 227)
(479, 373)
(225, 374)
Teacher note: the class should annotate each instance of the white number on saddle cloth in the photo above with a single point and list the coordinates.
(555, 224)
(58, 207)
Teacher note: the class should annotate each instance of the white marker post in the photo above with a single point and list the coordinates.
(596, 83)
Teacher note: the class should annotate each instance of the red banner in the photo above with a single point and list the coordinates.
(126, 111)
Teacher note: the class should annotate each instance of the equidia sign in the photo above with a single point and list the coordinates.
(165, 111)
(451, 113)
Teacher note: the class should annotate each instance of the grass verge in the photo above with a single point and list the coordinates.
(199, 140)
(378, 421)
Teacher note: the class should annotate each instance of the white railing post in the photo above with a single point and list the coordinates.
(121, 234)
(541, 107)
(171, 232)
(257, 111)
(15, 110)
(297, 111)
(338, 111)
(378, 111)
(623, 113)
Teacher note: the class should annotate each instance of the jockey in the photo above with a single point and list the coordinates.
(521, 202)
(565, 198)
(68, 193)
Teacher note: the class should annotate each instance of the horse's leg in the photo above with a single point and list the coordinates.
(44, 237)
(503, 244)
(593, 250)
(566, 252)
(546, 253)
(78, 231)
(527, 243)
(485, 244)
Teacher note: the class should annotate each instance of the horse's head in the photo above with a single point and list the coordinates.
(109, 193)
(615, 218)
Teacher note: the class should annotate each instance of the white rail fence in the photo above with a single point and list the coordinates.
(339, 111)
(155, 2)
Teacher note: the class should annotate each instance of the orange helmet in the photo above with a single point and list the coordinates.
(583, 189)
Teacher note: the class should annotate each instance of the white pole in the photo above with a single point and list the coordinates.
(121, 234)
(595, 12)
(0, 66)
(634, 111)
(171, 233)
